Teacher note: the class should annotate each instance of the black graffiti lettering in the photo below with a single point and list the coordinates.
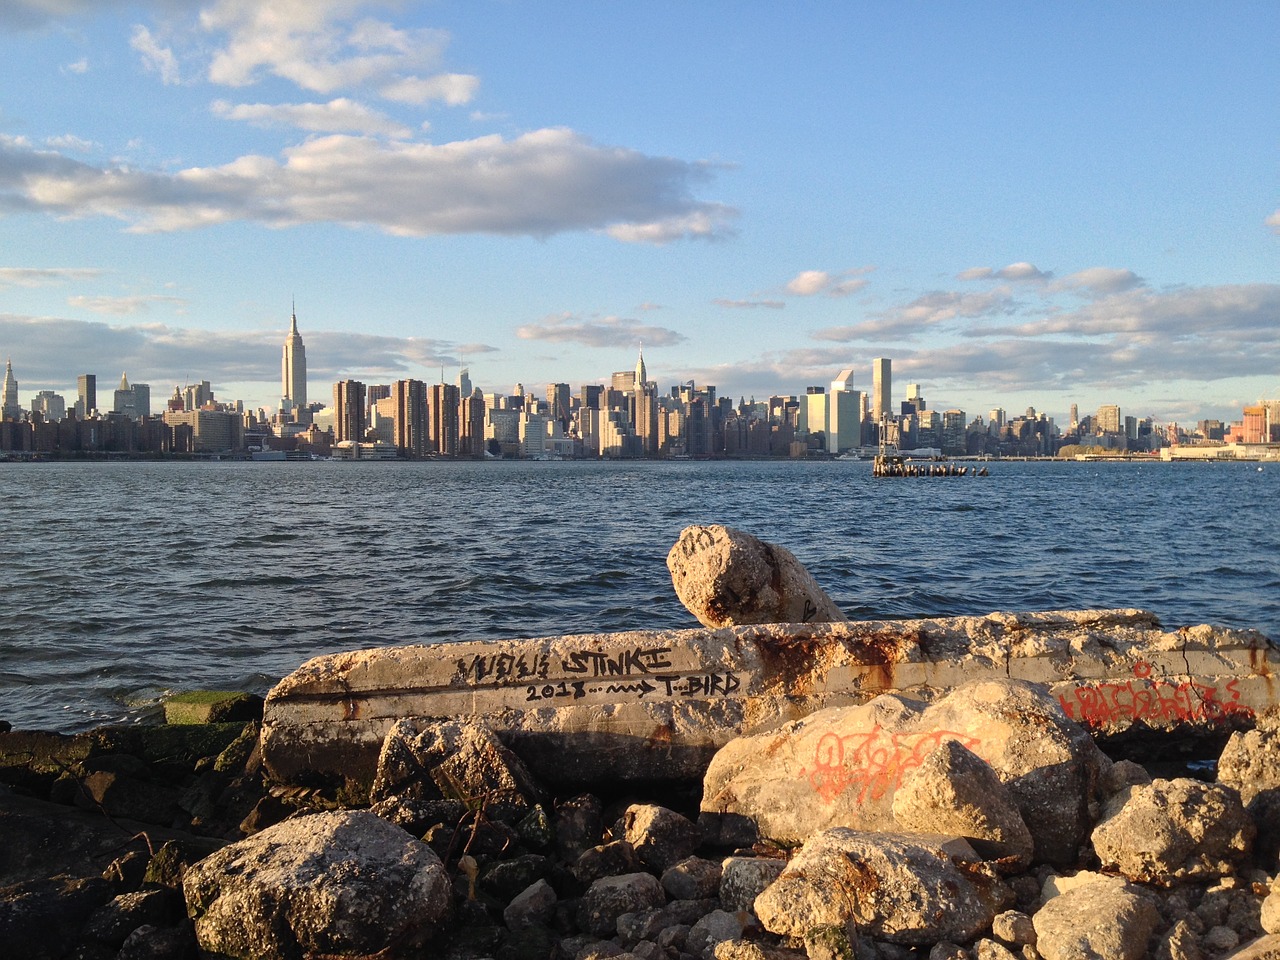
(809, 610)
(625, 664)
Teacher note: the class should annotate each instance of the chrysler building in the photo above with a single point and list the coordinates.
(293, 376)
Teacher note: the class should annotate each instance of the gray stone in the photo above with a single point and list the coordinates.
(1014, 929)
(742, 879)
(693, 878)
(660, 837)
(843, 766)
(648, 705)
(1170, 831)
(579, 826)
(1250, 761)
(1106, 919)
(946, 950)
(212, 706)
(610, 897)
(832, 942)
(715, 927)
(39, 919)
(607, 860)
(726, 577)
(342, 883)
(150, 942)
(458, 760)
(535, 906)
(956, 792)
(113, 922)
(896, 888)
(1220, 939)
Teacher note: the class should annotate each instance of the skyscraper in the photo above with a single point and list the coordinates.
(410, 398)
(348, 410)
(86, 395)
(845, 413)
(10, 410)
(443, 412)
(293, 376)
(881, 389)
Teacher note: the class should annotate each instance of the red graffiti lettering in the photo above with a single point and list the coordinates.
(871, 764)
(1153, 701)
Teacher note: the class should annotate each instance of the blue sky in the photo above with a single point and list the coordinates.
(1021, 204)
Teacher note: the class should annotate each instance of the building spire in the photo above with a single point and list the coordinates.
(642, 376)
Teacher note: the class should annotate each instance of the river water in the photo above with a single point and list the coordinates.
(122, 582)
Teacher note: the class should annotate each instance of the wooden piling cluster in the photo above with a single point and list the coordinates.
(886, 466)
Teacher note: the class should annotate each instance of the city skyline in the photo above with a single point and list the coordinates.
(1020, 206)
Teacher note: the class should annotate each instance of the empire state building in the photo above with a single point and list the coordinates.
(293, 376)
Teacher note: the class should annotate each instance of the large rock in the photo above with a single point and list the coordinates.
(1107, 919)
(903, 889)
(1170, 831)
(459, 762)
(955, 792)
(341, 884)
(1250, 761)
(726, 577)
(649, 705)
(843, 767)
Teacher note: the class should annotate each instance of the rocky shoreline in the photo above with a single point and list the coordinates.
(982, 821)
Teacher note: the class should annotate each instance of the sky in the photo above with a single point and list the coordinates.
(1022, 205)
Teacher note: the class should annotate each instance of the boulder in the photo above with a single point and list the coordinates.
(41, 919)
(656, 705)
(609, 898)
(534, 906)
(1106, 919)
(1250, 761)
(459, 762)
(955, 792)
(742, 879)
(1171, 831)
(345, 883)
(660, 837)
(726, 577)
(898, 888)
(844, 766)
(692, 878)
(1263, 948)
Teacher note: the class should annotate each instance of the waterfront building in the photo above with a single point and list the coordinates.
(815, 410)
(411, 435)
(443, 418)
(1107, 419)
(10, 410)
(953, 433)
(471, 440)
(293, 375)
(844, 413)
(348, 411)
(211, 431)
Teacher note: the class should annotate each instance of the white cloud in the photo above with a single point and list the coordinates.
(925, 312)
(316, 45)
(602, 332)
(44, 276)
(155, 58)
(72, 143)
(339, 115)
(80, 66)
(123, 306)
(748, 304)
(453, 89)
(542, 183)
(1017, 272)
(808, 283)
(1099, 281)
(1273, 221)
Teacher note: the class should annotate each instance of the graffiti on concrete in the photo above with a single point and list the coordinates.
(1153, 700)
(872, 764)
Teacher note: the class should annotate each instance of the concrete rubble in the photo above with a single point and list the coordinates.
(968, 788)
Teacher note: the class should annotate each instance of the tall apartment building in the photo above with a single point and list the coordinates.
(471, 439)
(1108, 419)
(443, 417)
(558, 400)
(844, 414)
(348, 411)
(411, 433)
